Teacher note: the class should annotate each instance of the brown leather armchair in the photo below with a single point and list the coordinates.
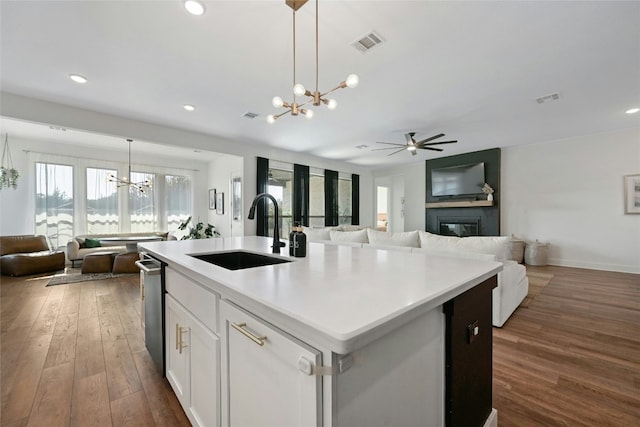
(23, 255)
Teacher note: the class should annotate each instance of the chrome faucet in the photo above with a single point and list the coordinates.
(277, 244)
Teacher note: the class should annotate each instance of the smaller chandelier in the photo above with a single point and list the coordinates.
(126, 181)
(315, 98)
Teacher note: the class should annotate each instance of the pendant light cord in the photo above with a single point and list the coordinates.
(316, 45)
(294, 54)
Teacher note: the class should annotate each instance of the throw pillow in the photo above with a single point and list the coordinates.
(92, 243)
(317, 234)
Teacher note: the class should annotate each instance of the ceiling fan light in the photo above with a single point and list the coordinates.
(271, 118)
(194, 7)
(332, 104)
(299, 90)
(352, 80)
(411, 148)
(277, 102)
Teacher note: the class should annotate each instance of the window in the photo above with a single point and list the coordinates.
(54, 203)
(102, 202)
(316, 198)
(177, 200)
(344, 200)
(142, 208)
(280, 186)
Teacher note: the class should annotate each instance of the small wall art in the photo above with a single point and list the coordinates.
(632, 194)
(212, 199)
(220, 203)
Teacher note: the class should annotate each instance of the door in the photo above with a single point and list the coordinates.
(264, 384)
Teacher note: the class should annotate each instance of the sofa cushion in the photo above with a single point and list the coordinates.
(384, 238)
(500, 246)
(317, 234)
(92, 243)
(349, 236)
(455, 254)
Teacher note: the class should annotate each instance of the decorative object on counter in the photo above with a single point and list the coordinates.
(126, 181)
(631, 194)
(8, 174)
(277, 244)
(220, 203)
(315, 98)
(198, 231)
(486, 189)
(297, 242)
(212, 199)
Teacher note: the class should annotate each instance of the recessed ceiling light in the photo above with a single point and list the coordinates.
(632, 111)
(194, 7)
(78, 78)
(189, 107)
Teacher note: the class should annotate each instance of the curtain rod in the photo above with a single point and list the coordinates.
(112, 161)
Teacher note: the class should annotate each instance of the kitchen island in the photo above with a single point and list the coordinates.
(344, 336)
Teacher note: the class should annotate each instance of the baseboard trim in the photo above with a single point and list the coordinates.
(621, 268)
(492, 419)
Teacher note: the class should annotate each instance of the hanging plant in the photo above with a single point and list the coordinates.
(8, 174)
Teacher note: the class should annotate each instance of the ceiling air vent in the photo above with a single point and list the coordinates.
(367, 42)
(250, 115)
(548, 98)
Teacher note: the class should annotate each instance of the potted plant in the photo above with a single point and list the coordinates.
(198, 231)
(486, 189)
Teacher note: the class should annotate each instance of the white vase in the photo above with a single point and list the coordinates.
(490, 197)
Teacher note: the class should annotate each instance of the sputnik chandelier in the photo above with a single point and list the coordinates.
(315, 98)
(126, 181)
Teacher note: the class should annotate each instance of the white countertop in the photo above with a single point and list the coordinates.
(338, 297)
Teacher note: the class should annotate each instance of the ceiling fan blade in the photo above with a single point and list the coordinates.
(432, 149)
(437, 143)
(430, 139)
(397, 151)
(390, 143)
(386, 148)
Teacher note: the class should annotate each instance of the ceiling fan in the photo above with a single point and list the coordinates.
(412, 145)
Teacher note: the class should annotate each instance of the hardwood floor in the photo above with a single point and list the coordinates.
(74, 355)
(573, 357)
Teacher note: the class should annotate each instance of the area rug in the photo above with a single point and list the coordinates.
(537, 282)
(74, 276)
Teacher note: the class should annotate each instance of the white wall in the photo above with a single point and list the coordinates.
(570, 193)
(220, 172)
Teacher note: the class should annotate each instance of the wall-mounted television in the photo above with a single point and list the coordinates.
(457, 180)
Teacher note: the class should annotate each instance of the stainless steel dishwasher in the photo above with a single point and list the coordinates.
(153, 295)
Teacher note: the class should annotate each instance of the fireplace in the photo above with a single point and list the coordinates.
(461, 227)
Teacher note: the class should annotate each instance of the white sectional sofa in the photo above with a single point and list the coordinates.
(513, 284)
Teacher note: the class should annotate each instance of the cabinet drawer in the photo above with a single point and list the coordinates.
(200, 301)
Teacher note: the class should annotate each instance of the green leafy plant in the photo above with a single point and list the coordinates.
(198, 231)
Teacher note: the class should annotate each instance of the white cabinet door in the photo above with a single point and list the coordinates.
(177, 362)
(193, 364)
(263, 383)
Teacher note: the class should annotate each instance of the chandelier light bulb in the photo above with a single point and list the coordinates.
(277, 102)
(194, 7)
(352, 80)
(309, 114)
(271, 118)
(332, 104)
(298, 89)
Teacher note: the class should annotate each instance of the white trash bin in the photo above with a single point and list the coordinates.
(535, 253)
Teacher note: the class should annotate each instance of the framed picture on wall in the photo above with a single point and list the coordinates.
(220, 203)
(632, 194)
(212, 199)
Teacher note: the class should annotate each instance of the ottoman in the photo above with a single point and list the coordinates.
(98, 262)
(126, 263)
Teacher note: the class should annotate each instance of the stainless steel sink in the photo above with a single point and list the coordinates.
(238, 260)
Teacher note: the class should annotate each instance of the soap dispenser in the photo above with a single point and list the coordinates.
(298, 242)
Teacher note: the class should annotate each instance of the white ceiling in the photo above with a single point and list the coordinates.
(471, 70)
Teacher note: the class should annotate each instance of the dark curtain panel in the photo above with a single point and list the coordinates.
(261, 209)
(301, 194)
(355, 199)
(330, 197)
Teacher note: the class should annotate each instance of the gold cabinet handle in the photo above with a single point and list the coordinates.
(240, 327)
(179, 343)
